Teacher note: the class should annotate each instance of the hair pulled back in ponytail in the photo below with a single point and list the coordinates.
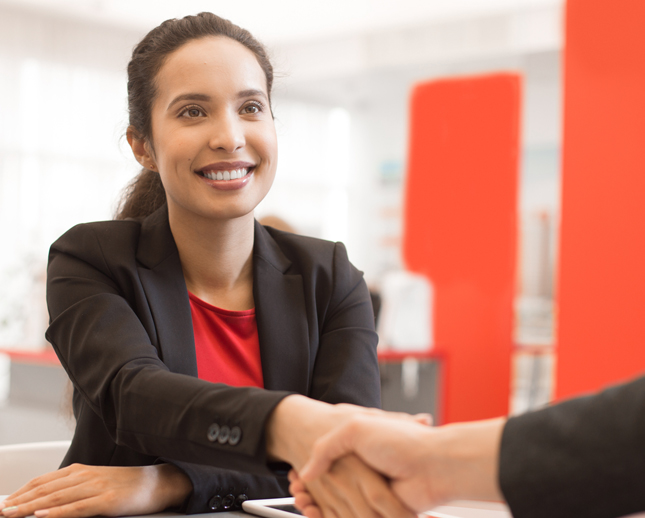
(145, 193)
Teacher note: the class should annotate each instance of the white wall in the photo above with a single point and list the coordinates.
(62, 113)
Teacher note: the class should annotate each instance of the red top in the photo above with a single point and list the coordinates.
(226, 345)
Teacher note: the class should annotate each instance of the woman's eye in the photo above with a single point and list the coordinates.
(252, 108)
(192, 112)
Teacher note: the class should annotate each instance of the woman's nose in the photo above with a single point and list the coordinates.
(227, 134)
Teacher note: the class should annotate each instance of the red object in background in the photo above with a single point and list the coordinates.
(601, 291)
(461, 231)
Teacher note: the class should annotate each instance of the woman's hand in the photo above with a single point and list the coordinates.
(78, 491)
(350, 489)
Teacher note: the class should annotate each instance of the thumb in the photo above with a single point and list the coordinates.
(331, 446)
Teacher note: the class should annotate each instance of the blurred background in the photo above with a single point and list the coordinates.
(344, 71)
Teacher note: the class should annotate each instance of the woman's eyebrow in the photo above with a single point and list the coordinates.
(251, 93)
(203, 97)
(189, 97)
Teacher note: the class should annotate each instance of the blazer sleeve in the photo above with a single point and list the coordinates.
(345, 371)
(213, 486)
(109, 357)
(582, 457)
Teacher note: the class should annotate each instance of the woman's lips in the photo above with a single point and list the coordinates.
(226, 180)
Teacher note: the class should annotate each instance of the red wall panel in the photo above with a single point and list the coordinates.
(460, 231)
(601, 332)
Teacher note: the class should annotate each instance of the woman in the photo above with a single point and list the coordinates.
(184, 284)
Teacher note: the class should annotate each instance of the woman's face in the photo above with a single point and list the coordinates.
(213, 137)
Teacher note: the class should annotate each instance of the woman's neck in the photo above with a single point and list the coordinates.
(216, 258)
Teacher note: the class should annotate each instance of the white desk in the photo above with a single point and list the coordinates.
(461, 509)
(456, 509)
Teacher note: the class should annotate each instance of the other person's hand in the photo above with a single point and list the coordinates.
(79, 491)
(426, 466)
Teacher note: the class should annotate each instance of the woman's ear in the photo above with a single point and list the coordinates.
(141, 149)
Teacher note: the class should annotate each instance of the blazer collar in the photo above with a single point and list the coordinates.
(280, 308)
(155, 241)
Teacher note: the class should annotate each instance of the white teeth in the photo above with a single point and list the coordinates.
(227, 175)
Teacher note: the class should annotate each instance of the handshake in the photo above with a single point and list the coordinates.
(370, 463)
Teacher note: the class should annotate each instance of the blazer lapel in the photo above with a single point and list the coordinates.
(163, 281)
(281, 316)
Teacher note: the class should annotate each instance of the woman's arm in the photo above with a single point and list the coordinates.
(97, 328)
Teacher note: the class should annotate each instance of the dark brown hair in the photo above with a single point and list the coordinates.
(145, 193)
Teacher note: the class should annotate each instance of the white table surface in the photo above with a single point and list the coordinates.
(461, 509)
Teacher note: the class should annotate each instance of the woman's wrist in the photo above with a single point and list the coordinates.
(295, 424)
(287, 432)
(172, 485)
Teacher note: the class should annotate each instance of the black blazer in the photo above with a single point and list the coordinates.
(121, 326)
(583, 457)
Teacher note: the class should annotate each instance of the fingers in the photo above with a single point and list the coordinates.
(425, 419)
(330, 505)
(334, 445)
(377, 498)
(353, 410)
(38, 481)
(383, 500)
(49, 496)
(326, 503)
(302, 498)
(350, 489)
(92, 506)
(39, 493)
(312, 511)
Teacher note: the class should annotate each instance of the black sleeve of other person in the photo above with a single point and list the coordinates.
(583, 457)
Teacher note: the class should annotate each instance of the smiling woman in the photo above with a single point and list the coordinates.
(192, 333)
